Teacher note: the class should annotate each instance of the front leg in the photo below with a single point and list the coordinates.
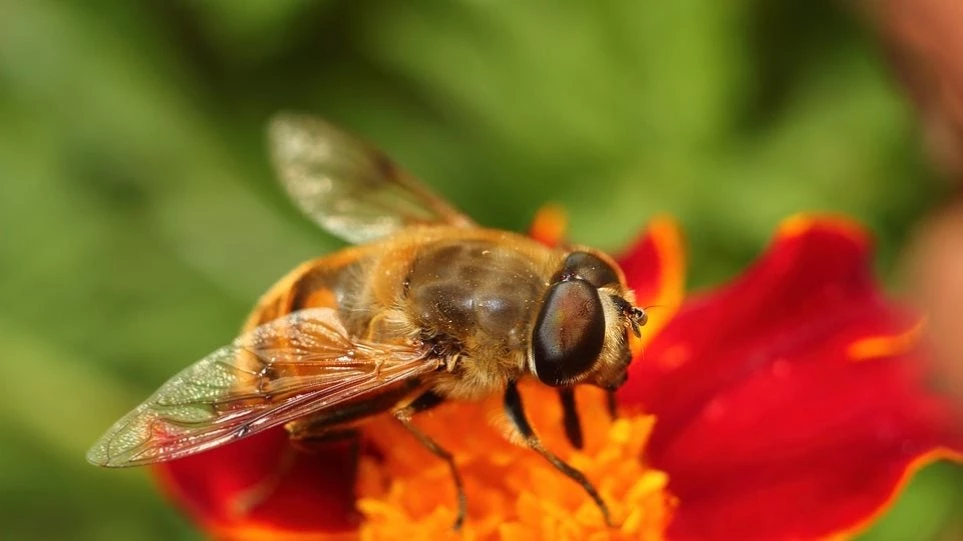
(516, 414)
(611, 404)
(570, 418)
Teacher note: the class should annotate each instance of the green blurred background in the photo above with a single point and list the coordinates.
(139, 218)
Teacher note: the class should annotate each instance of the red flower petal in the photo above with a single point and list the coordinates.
(791, 402)
(314, 492)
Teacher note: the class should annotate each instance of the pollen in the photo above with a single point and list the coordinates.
(513, 493)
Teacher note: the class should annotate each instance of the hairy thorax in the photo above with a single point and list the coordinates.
(470, 295)
(474, 301)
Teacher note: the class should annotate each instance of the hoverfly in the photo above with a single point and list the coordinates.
(427, 307)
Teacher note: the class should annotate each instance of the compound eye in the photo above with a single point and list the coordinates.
(589, 268)
(569, 332)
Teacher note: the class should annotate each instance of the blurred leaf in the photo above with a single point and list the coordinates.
(250, 31)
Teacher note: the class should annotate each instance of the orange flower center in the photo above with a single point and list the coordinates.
(513, 493)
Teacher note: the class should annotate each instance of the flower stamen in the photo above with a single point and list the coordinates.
(513, 493)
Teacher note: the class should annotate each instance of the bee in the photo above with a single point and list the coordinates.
(426, 307)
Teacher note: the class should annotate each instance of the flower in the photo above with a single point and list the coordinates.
(788, 404)
(792, 403)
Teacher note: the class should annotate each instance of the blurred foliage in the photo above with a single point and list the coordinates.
(140, 219)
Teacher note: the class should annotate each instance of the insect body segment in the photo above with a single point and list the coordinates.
(477, 290)
(430, 308)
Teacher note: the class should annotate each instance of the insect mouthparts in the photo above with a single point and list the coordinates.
(640, 317)
(636, 316)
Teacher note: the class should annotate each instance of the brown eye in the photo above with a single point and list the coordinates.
(568, 333)
(587, 267)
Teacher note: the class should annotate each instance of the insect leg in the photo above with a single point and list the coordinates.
(424, 402)
(311, 443)
(570, 418)
(612, 405)
(516, 414)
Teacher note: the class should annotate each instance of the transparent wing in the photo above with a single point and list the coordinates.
(349, 187)
(294, 366)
